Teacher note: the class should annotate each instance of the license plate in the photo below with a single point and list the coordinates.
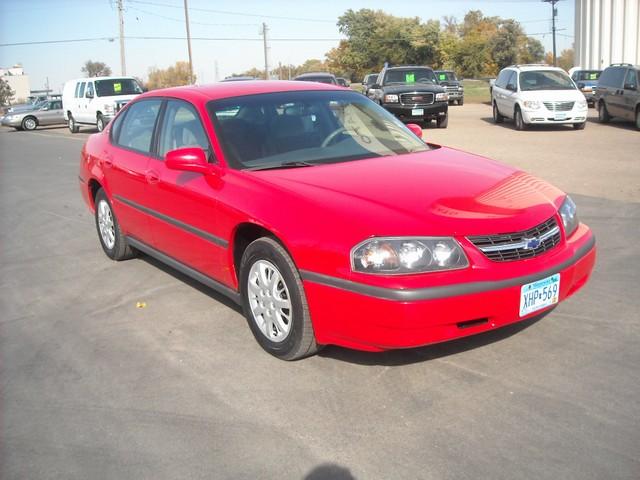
(417, 112)
(537, 295)
(560, 116)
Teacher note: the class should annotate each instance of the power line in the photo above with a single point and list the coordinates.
(192, 21)
(242, 14)
(142, 37)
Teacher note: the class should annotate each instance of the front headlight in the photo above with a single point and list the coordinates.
(568, 212)
(407, 255)
(532, 104)
(391, 98)
(109, 109)
(581, 103)
(460, 88)
(442, 97)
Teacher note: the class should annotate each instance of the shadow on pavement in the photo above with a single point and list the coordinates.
(329, 471)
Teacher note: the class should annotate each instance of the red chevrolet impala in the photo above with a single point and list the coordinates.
(327, 219)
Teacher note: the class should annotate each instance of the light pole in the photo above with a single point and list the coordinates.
(554, 12)
(186, 19)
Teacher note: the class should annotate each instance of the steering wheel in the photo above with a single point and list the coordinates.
(332, 135)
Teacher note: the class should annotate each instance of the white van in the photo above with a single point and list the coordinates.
(95, 101)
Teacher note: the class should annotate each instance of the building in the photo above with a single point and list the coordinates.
(18, 81)
(606, 32)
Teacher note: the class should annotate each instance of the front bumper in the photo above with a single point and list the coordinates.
(456, 95)
(14, 122)
(410, 113)
(544, 116)
(372, 318)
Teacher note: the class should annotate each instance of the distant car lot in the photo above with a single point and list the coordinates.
(131, 371)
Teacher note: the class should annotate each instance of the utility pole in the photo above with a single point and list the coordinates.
(554, 13)
(123, 66)
(266, 50)
(186, 19)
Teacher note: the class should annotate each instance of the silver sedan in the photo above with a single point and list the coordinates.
(50, 113)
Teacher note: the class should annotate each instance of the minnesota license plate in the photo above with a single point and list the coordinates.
(560, 116)
(538, 295)
(417, 112)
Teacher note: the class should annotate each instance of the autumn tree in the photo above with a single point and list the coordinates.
(564, 60)
(95, 69)
(174, 76)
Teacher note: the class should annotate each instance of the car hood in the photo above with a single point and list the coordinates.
(413, 87)
(450, 83)
(439, 192)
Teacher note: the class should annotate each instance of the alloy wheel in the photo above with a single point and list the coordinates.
(106, 224)
(30, 124)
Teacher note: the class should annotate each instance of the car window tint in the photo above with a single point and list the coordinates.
(502, 78)
(57, 105)
(181, 127)
(137, 128)
(612, 77)
(89, 91)
(632, 78)
(81, 92)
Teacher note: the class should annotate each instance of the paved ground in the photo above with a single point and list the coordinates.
(93, 387)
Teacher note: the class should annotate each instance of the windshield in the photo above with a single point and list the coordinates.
(413, 75)
(117, 86)
(307, 128)
(586, 75)
(446, 76)
(545, 80)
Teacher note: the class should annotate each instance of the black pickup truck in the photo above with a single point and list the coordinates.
(412, 94)
(452, 85)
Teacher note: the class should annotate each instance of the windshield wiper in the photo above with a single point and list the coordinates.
(294, 164)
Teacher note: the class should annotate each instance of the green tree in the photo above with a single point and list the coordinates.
(6, 93)
(169, 77)
(95, 69)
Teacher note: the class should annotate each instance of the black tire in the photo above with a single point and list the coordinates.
(442, 122)
(519, 121)
(73, 126)
(300, 340)
(461, 101)
(120, 250)
(451, 102)
(579, 126)
(100, 122)
(603, 113)
(638, 118)
(497, 118)
(29, 123)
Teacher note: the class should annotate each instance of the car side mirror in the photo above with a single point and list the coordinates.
(376, 86)
(415, 129)
(630, 86)
(511, 86)
(189, 159)
(44, 108)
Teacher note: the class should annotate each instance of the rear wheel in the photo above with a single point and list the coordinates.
(442, 122)
(100, 122)
(461, 101)
(497, 118)
(274, 302)
(73, 126)
(29, 123)
(519, 121)
(111, 238)
(603, 113)
(638, 118)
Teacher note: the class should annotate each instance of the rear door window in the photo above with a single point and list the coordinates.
(90, 92)
(77, 92)
(81, 92)
(632, 78)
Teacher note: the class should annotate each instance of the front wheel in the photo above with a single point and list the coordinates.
(29, 123)
(603, 113)
(519, 121)
(100, 122)
(442, 122)
(274, 302)
(73, 126)
(497, 118)
(111, 238)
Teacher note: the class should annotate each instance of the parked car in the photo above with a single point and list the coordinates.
(537, 94)
(49, 112)
(95, 101)
(452, 86)
(342, 81)
(412, 94)
(368, 82)
(587, 82)
(240, 78)
(618, 93)
(34, 103)
(335, 224)
(319, 77)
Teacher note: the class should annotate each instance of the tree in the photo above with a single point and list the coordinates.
(95, 69)
(170, 77)
(6, 94)
(564, 60)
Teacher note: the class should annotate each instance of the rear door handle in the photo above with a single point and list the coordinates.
(152, 176)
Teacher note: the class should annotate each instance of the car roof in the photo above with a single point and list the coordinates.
(121, 77)
(219, 90)
(534, 67)
(315, 74)
(399, 67)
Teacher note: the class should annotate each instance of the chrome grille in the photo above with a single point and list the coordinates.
(451, 88)
(507, 247)
(559, 106)
(416, 99)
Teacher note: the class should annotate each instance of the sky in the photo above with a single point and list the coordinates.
(298, 29)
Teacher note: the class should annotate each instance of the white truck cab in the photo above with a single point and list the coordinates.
(95, 101)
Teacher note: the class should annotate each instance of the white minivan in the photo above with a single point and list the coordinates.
(95, 101)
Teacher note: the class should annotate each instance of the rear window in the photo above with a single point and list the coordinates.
(117, 86)
(586, 75)
(446, 76)
(612, 77)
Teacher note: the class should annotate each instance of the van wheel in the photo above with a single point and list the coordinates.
(29, 123)
(100, 122)
(71, 123)
(603, 113)
(520, 124)
(497, 118)
(274, 302)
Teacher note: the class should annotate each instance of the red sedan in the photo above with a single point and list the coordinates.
(327, 219)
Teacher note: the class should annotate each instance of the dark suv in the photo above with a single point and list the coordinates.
(618, 94)
(452, 84)
(412, 94)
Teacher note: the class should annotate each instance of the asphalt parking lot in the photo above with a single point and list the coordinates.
(130, 370)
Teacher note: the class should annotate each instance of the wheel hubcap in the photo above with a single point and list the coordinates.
(106, 224)
(269, 301)
(30, 124)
